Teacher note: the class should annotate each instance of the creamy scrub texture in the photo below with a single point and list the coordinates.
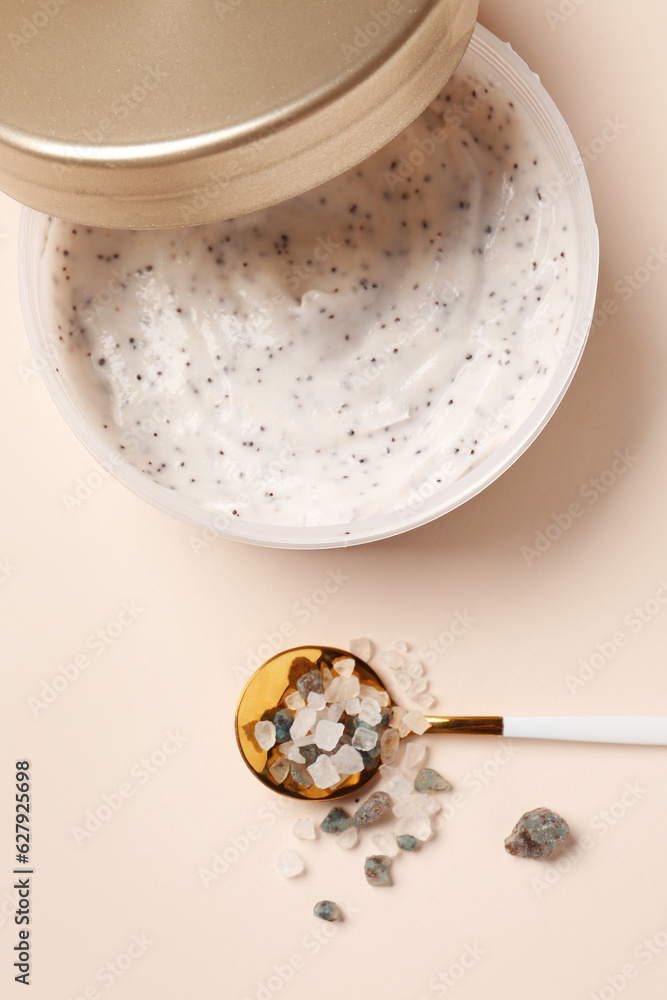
(339, 355)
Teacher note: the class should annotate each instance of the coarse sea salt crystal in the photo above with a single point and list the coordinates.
(414, 754)
(328, 733)
(399, 786)
(425, 700)
(391, 658)
(385, 843)
(416, 722)
(389, 745)
(304, 829)
(334, 712)
(265, 734)
(323, 772)
(401, 646)
(347, 760)
(414, 669)
(388, 772)
(305, 741)
(403, 680)
(344, 667)
(303, 720)
(369, 711)
(410, 805)
(368, 691)
(317, 701)
(279, 770)
(289, 863)
(352, 706)
(364, 739)
(363, 648)
(417, 687)
(327, 677)
(348, 838)
(417, 824)
(294, 701)
(294, 753)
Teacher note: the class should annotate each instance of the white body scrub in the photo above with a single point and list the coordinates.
(320, 361)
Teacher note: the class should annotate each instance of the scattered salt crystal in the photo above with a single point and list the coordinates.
(327, 677)
(350, 688)
(385, 843)
(397, 714)
(403, 680)
(401, 646)
(289, 863)
(389, 745)
(334, 712)
(279, 770)
(348, 838)
(368, 691)
(305, 741)
(352, 706)
(317, 701)
(295, 754)
(304, 829)
(391, 658)
(388, 772)
(363, 648)
(327, 734)
(364, 739)
(416, 722)
(411, 805)
(399, 786)
(414, 754)
(284, 748)
(432, 805)
(265, 734)
(369, 711)
(425, 700)
(404, 730)
(418, 686)
(414, 669)
(418, 824)
(303, 720)
(294, 701)
(344, 667)
(347, 760)
(428, 780)
(323, 772)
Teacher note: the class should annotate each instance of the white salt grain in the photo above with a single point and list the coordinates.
(316, 701)
(418, 686)
(352, 706)
(414, 754)
(425, 700)
(328, 733)
(289, 863)
(391, 658)
(363, 648)
(414, 669)
(347, 760)
(294, 701)
(295, 754)
(323, 772)
(265, 734)
(304, 829)
(389, 746)
(416, 722)
(334, 712)
(369, 711)
(385, 844)
(418, 824)
(364, 739)
(399, 787)
(344, 667)
(348, 838)
(279, 770)
(403, 680)
(303, 720)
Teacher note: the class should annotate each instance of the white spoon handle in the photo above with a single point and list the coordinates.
(589, 728)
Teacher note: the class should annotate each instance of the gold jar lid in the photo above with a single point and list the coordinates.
(176, 112)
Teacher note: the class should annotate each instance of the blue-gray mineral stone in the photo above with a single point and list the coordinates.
(312, 681)
(336, 821)
(376, 869)
(407, 842)
(373, 809)
(300, 774)
(283, 720)
(537, 834)
(428, 780)
(326, 910)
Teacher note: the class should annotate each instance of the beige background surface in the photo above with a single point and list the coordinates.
(561, 930)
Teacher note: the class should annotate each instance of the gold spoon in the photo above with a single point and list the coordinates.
(266, 690)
